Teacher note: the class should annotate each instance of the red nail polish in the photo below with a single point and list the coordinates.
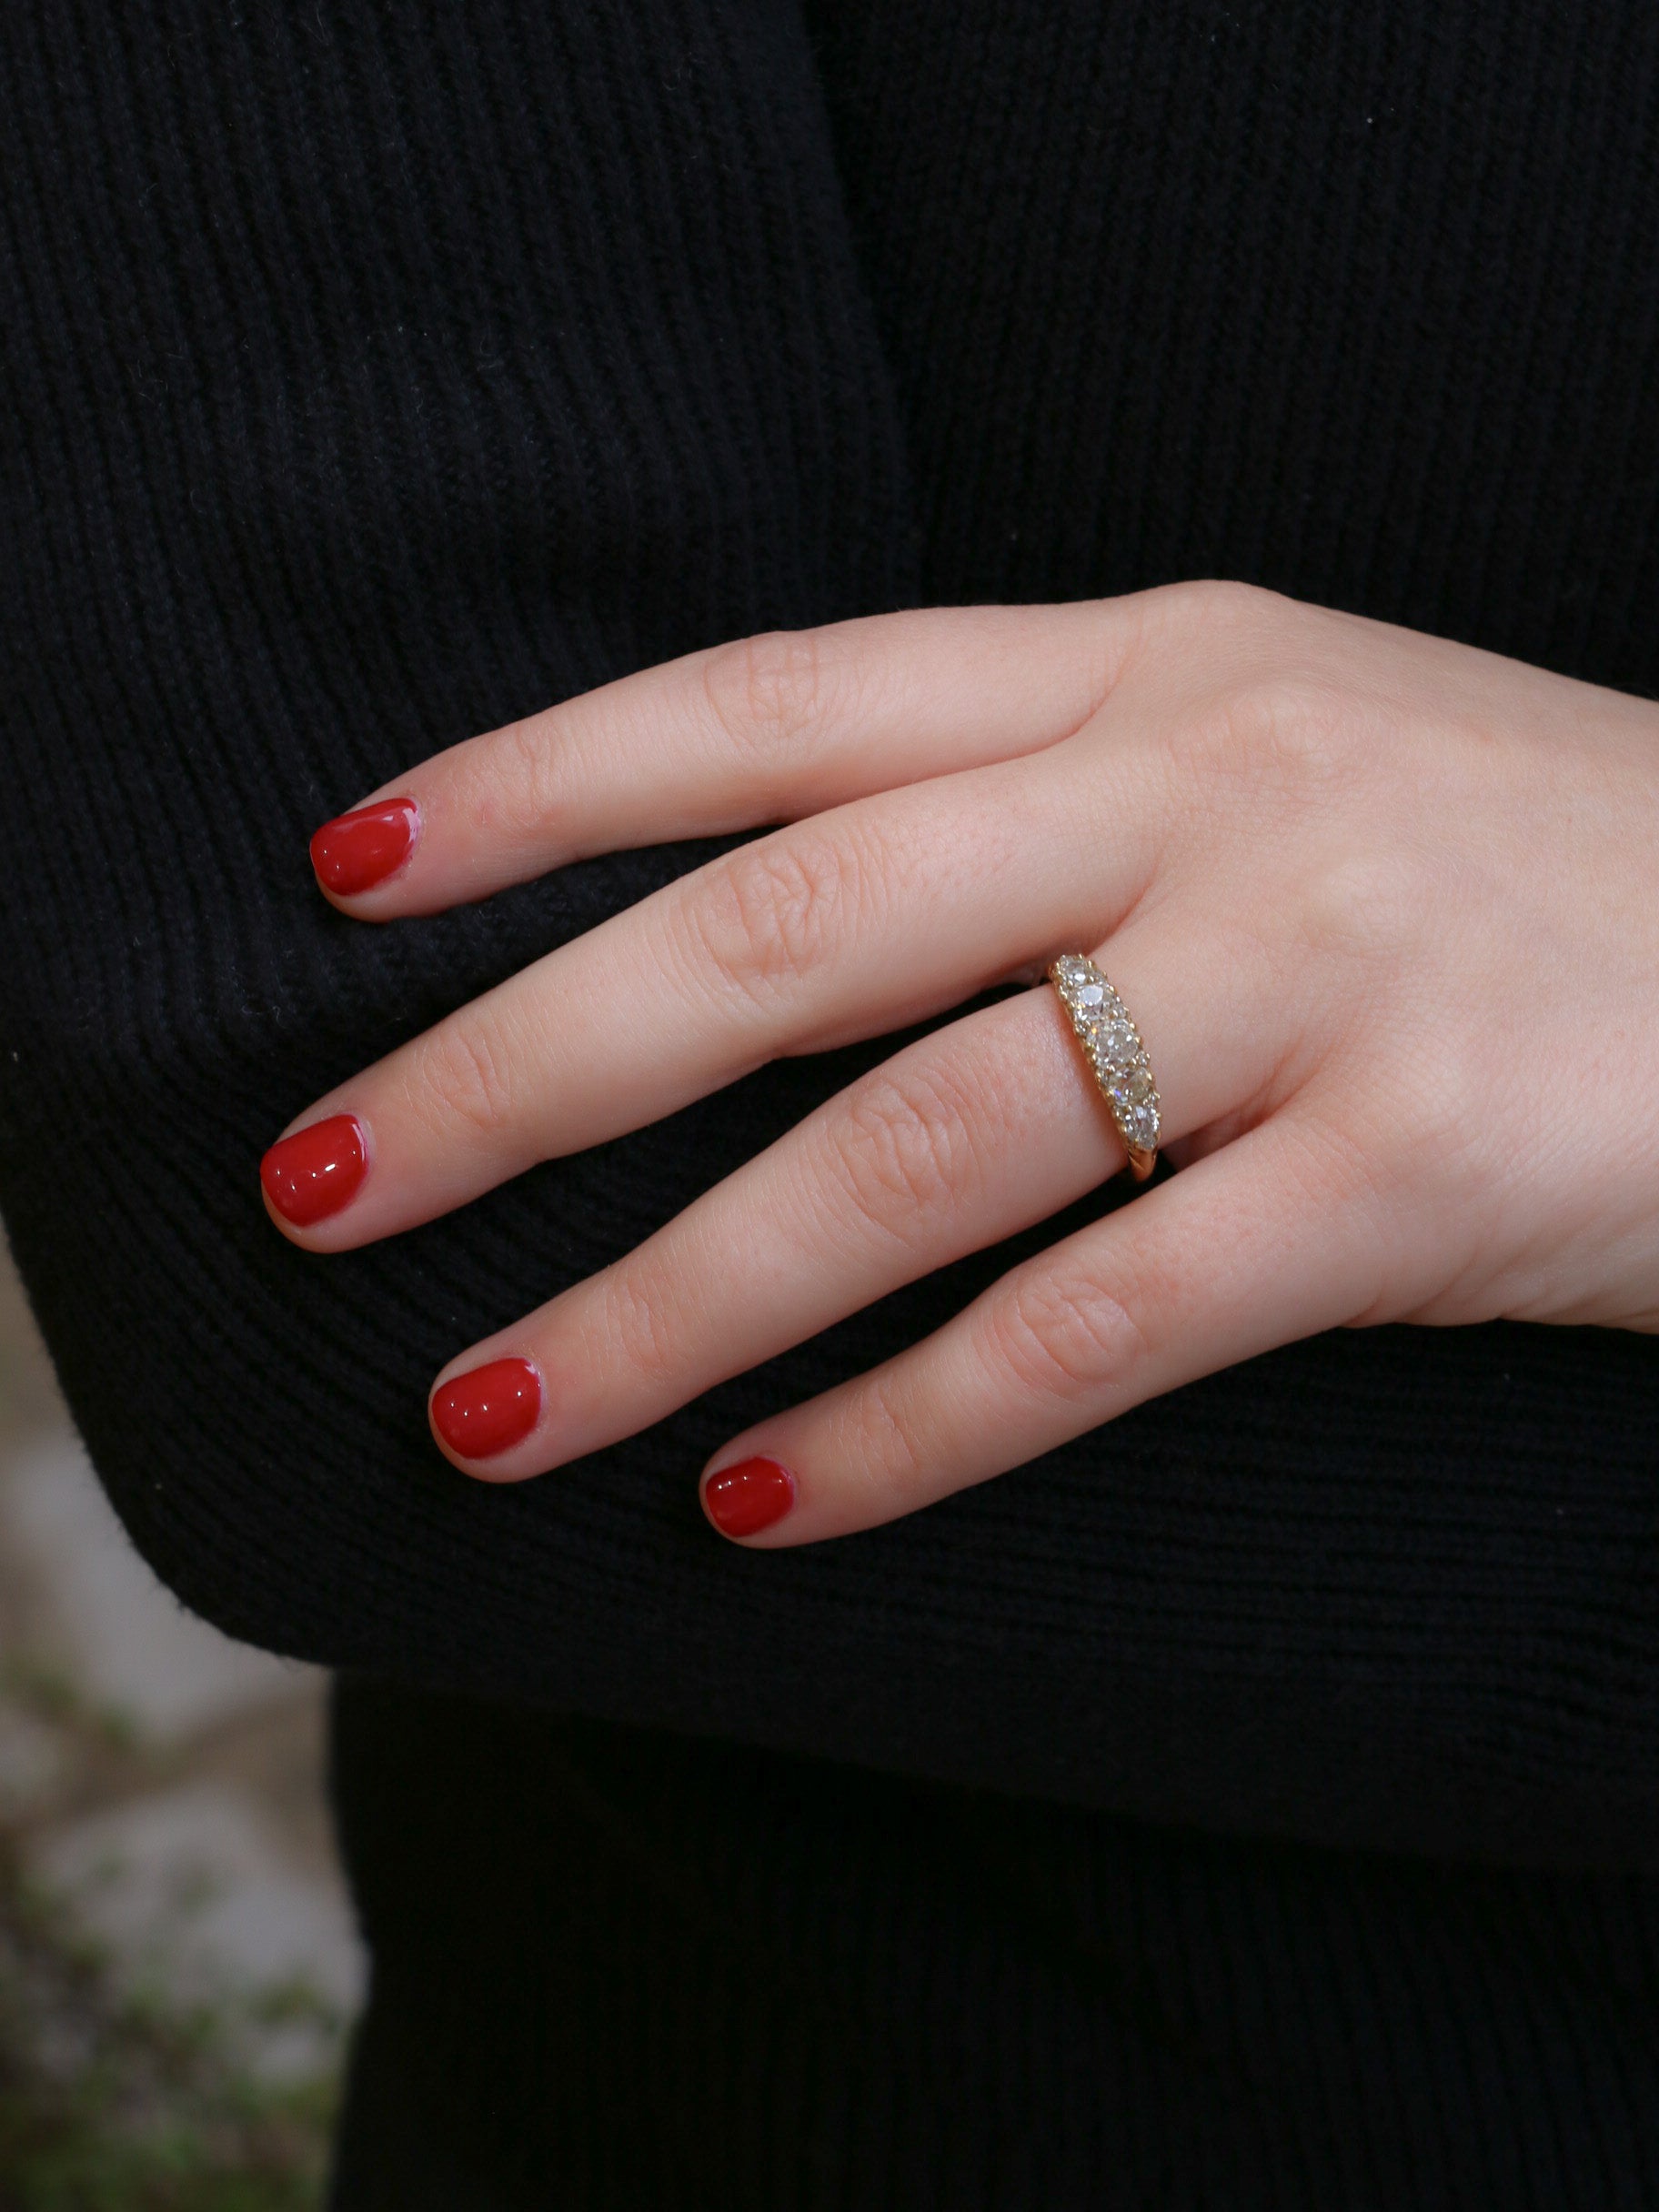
(355, 851)
(316, 1170)
(743, 1500)
(488, 1410)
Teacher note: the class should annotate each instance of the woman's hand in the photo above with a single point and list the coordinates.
(1385, 910)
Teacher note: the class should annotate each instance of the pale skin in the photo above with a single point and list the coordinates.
(1383, 909)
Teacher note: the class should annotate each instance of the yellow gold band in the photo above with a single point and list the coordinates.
(1112, 1047)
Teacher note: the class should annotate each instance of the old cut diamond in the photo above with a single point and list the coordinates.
(1114, 1043)
(1132, 1090)
(1140, 1128)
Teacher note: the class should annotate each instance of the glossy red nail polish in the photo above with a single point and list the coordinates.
(488, 1410)
(316, 1170)
(355, 851)
(744, 1499)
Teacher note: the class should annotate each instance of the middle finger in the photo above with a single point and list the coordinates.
(863, 920)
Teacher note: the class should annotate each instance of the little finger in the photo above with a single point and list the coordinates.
(1263, 1242)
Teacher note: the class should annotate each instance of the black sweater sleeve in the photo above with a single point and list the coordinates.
(374, 374)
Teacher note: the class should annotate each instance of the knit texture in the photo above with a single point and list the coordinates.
(374, 374)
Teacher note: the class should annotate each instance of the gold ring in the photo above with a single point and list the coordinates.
(1112, 1047)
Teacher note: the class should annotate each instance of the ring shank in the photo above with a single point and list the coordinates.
(1117, 1058)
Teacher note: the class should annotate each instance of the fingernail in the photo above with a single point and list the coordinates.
(316, 1170)
(355, 851)
(743, 1500)
(488, 1410)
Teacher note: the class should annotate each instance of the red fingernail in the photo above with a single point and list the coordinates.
(355, 851)
(488, 1410)
(316, 1170)
(743, 1500)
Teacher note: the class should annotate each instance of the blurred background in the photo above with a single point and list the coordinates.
(178, 1968)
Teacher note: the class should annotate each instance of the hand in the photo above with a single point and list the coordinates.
(1385, 910)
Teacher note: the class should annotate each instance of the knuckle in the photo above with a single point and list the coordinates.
(769, 913)
(1063, 1333)
(1443, 1119)
(530, 785)
(465, 1075)
(1279, 730)
(887, 1450)
(768, 694)
(1209, 604)
(635, 1322)
(1369, 907)
(904, 1149)
(507, 784)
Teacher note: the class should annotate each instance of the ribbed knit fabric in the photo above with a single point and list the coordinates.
(371, 374)
(1358, 301)
(374, 374)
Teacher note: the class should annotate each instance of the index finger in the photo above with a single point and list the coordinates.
(765, 730)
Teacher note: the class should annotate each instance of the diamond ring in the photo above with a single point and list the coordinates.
(1112, 1047)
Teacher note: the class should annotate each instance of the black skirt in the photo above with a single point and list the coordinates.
(618, 1968)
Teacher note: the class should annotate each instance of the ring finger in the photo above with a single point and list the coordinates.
(986, 1127)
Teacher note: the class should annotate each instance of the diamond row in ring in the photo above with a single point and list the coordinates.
(1113, 1047)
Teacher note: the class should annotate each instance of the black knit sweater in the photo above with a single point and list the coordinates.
(374, 372)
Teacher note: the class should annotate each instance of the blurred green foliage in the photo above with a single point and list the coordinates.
(111, 2102)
